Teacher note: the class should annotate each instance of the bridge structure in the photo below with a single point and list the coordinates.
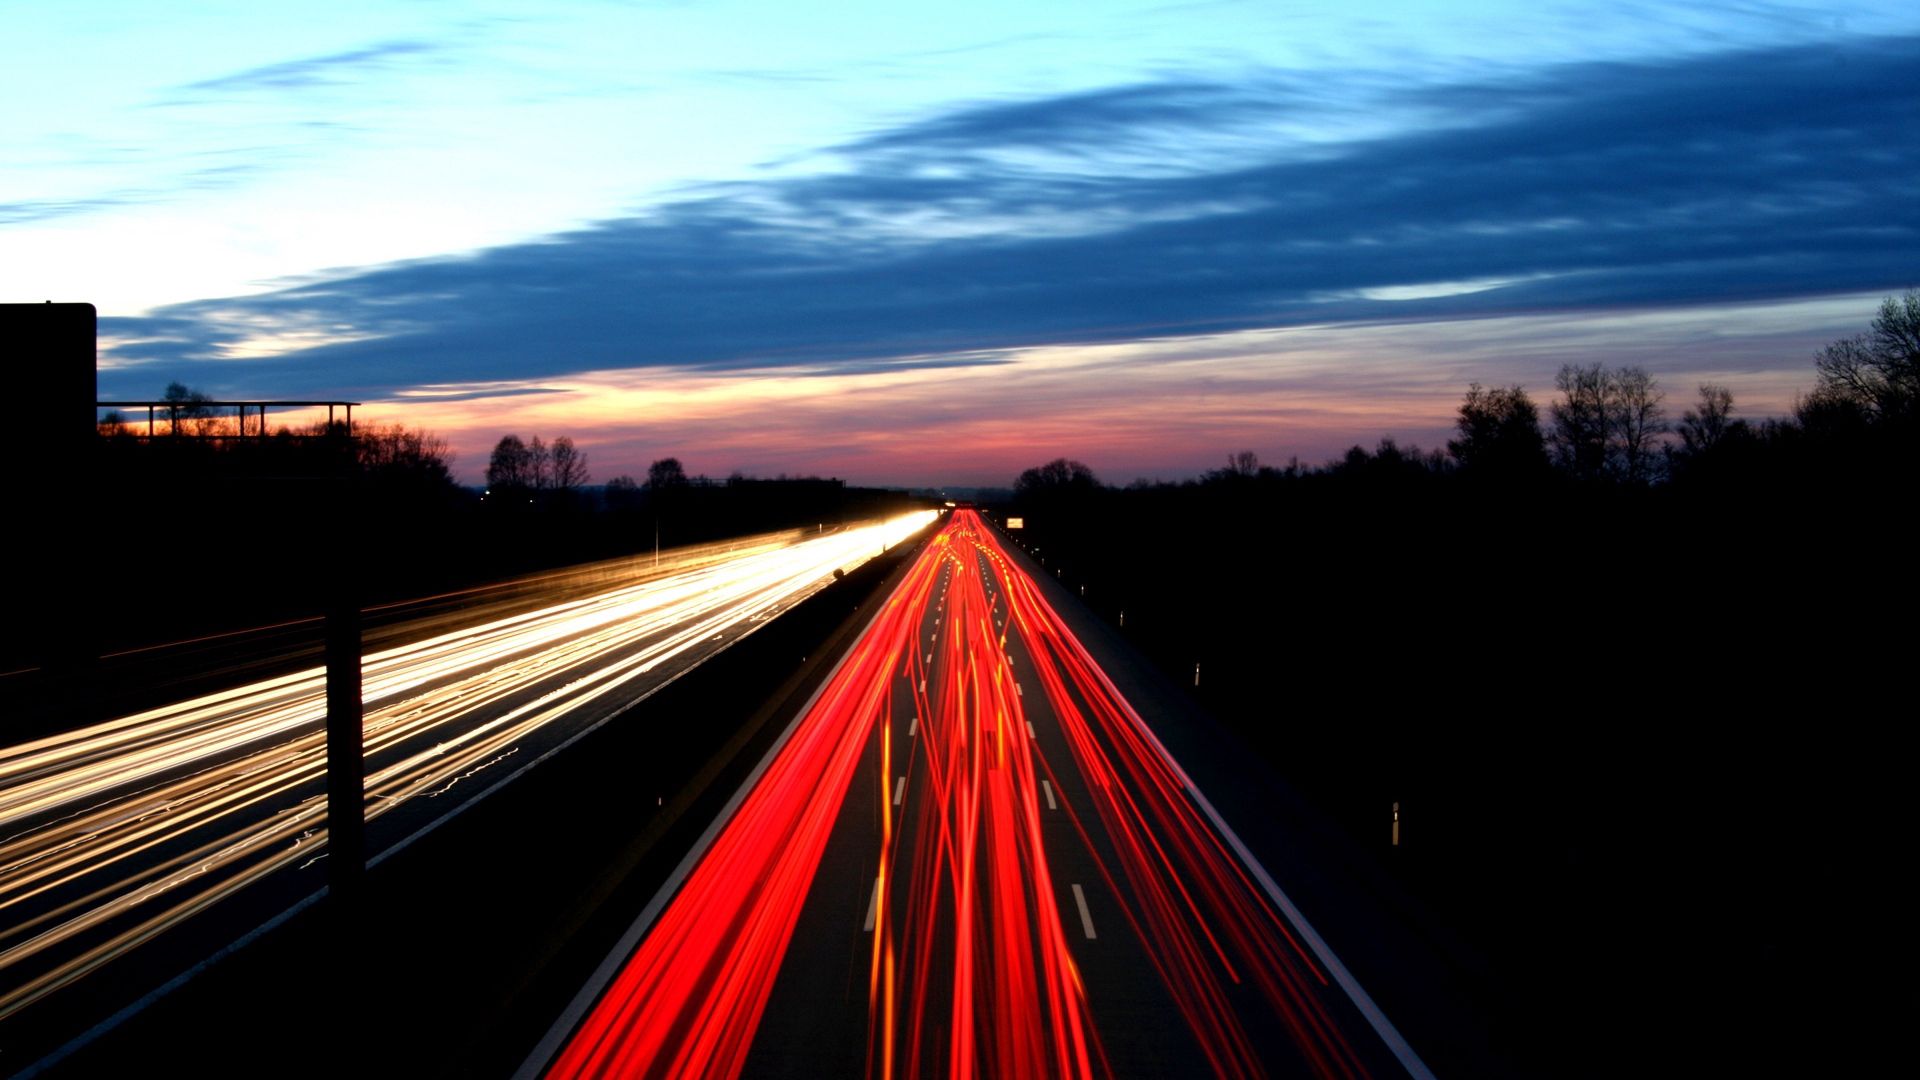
(184, 418)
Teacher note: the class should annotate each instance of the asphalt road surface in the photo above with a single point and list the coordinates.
(970, 856)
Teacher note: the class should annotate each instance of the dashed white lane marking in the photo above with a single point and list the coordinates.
(873, 908)
(1048, 788)
(1086, 919)
(923, 686)
(913, 725)
(899, 789)
(1018, 690)
(1032, 734)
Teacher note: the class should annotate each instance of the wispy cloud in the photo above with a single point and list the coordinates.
(1752, 174)
(1104, 122)
(331, 69)
(37, 210)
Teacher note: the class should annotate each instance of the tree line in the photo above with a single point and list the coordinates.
(531, 472)
(534, 472)
(1611, 426)
(193, 441)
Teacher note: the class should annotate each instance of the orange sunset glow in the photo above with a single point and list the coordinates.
(1156, 408)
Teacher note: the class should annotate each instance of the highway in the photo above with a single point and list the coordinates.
(112, 834)
(970, 856)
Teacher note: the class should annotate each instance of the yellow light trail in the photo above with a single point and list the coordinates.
(111, 833)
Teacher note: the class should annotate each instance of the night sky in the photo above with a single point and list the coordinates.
(920, 244)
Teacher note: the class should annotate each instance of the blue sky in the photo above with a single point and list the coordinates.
(916, 242)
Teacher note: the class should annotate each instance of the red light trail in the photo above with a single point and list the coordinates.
(972, 967)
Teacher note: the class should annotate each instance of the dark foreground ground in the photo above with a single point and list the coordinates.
(1650, 793)
(1646, 753)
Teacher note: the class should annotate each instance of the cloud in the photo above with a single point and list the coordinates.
(1100, 122)
(30, 211)
(204, 178)
(330, 69)
(1747, 175)
(448, 394)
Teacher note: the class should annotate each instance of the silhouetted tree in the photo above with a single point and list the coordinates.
(189, 410)
(1388, 462)
(1499, 433)
(1704, 426)
(623, 494)
(569, 465)
(1713, 444)
(1877, 372)
(539, 465)
(1579, 437)
(1832, 420)
(1608, 424)
(1056, 477)
(1635, 421)
(1240, 468)
(510, 470)
(397, 459)
(665, 474)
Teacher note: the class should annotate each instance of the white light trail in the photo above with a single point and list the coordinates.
(110, 833)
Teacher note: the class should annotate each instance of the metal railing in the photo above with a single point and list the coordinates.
(194, 411)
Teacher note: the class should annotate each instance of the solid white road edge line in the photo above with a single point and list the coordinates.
(1382, 1027)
